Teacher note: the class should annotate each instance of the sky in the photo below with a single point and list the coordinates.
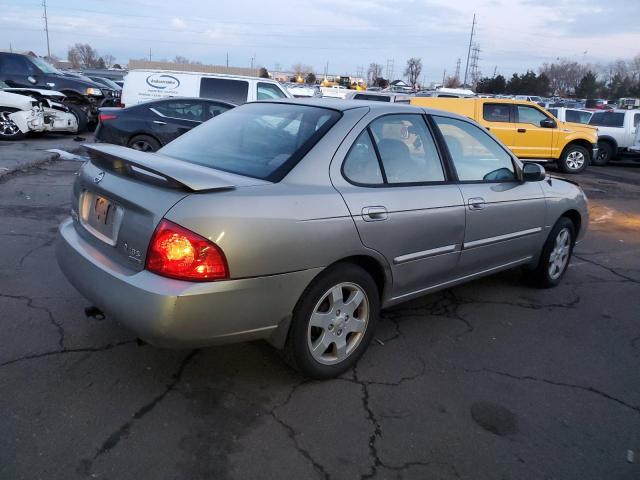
(348, 35)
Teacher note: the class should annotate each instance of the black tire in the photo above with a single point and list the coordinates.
(605, 153)
(8, 129)
(81, 117)
(144, 143)
(297, 350)
(569, 159)
(541, 275)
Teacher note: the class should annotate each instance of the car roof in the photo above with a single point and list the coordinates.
(373, 106)
(200, 99)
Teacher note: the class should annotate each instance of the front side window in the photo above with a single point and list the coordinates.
(578, 116)
(234, 91)
(476, 156)
(607, 119)
(183, 110)
(15, 65)
(260, 140)
(496, 112)
(269, 91)
(361, 164)
(530, 115)
(407, 150)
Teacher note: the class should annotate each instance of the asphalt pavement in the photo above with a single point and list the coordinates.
(489, 380)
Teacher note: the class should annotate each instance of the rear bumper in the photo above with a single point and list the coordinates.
(172, 313)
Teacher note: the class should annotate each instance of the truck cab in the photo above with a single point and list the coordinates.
(617, 131)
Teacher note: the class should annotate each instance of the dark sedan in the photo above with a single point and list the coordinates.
(149, 126)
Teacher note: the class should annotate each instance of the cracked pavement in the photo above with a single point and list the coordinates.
(488, 380)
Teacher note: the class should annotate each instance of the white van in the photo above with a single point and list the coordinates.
(144, 85)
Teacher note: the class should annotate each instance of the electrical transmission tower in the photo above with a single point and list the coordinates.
(390, 72)
(473, 32)
(473, 65)
(457, 75)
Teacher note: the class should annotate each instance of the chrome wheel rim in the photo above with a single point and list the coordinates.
(575, 160)
(560, 254)
(7, 126)
(142, 145)
(338, 323)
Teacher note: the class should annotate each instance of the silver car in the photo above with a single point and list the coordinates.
(296, 221)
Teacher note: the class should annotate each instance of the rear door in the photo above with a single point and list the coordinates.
(504, 216)
(390, 174)
(175, 117)
(498, 119)
(531, 139)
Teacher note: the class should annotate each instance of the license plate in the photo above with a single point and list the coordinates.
(100, 216)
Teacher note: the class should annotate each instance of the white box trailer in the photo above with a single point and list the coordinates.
(144, 85)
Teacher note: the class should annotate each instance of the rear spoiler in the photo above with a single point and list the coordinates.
(156, 168)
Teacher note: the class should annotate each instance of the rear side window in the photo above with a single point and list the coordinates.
(496, 112)
(476, 156)
(373, 98)
(578, 116)
(607, 119)
(260, 140)
(361, 165)
(214, 109)
(15, 65)
(234, 91)
(269, 91)
(182, 110)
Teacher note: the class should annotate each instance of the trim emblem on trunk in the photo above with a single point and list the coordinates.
(98, 178)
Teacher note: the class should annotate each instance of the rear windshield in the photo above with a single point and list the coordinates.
(607, 119)
(260, 140)
(374, 98)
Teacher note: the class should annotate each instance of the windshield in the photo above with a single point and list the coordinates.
(44, 66)
(607, 119)
(260, 140)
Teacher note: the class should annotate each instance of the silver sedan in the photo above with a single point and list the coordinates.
(297, 221)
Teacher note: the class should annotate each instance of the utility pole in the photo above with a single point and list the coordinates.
(444, 76)
(473, 30)
(149, 53)
(46, 27)
(457, 75)
(227, 59)
(390, 72)
(475, 57)
(495, 70)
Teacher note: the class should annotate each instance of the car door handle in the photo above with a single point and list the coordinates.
(374, 214)
(159, 122)
(522, 130)
(476, 203)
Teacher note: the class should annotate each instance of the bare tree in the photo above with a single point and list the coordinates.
(180, 59)
(82, 55)
(109, 60)
(263, 73)
(301, 70)
(564, 76)
(374, 73)
(413, 70)
(452, 81)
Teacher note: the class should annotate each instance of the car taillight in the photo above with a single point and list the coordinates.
(179, 253)
(105, 116)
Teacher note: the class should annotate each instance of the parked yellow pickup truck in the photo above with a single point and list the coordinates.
(529, 131)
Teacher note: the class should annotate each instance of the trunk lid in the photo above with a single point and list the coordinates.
(121, 195)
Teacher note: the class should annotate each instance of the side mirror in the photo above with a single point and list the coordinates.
(533, 172)
(548, 123)
(32, 79)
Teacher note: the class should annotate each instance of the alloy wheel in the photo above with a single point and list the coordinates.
(559, 256)
(142, 145)
(7, 126)
(575, 160)
(338, 323)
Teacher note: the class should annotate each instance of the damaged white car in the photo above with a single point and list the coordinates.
(25, 110)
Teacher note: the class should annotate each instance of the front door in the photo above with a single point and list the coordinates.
(394, 184)
(504, 216)
(532, 140)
